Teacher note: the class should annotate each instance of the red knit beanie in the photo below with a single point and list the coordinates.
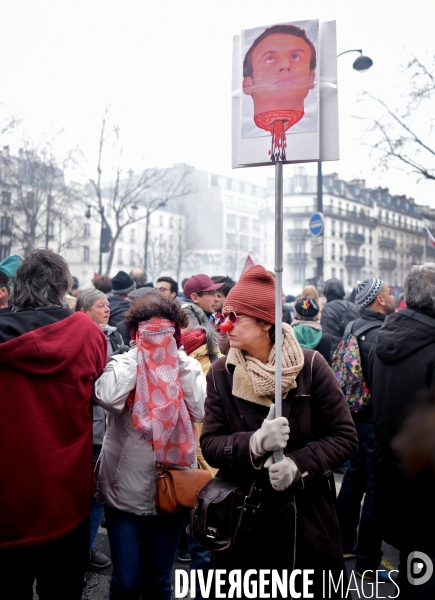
(253, 295)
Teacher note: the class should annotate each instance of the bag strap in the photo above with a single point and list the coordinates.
(365, 328)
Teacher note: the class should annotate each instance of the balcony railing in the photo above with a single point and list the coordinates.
(297, 258)
(388, 264)
(354, 239)
(387, 243)
(416, 249)
(354, 262)
(348, 215)
(297, 234)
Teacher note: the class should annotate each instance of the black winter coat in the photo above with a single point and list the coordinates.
(322, 436)
(402, 366)
(118, 309)
(336, 314)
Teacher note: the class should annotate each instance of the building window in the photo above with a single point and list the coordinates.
(299, 275)
(85, 254)
(243, 243)
(30, 200)
(5, 225)
(333, 252)
(231, 240)
(256, 245)
(132, 235)
(161, 221)
(231, 220)
(171, 222)
(244, 223)
(119, 256)
(333, 272)
(87, 230)
(256, 225)
(6, 198)
(341, 252)
(333, 228)
(132, 258)
(4, 252)
(340, 227)
(341, 274)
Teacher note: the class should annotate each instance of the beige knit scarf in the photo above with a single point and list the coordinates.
(254, 380)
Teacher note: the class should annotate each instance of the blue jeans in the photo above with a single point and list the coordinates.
(359, 480)
(96, 516)
(143, 552)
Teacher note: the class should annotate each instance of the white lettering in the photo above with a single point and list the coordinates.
(250, 592)
(291, 583)
(204, 587)
(181, 579)
(307, 582)
(281, 583)
(218, 583)
(339, 583)
(392, 581)
(354, 589)
(235, 580)
(263, 581)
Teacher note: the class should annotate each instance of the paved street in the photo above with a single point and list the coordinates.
(97, 580)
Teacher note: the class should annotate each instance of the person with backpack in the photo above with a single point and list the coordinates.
(351, 367)
(337, 313)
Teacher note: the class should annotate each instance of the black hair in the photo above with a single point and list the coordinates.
(174, 284)
(41, 281)
(248, 70)
(227, 281)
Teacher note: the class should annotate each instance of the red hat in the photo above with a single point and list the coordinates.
(253, 295)
(200, 283)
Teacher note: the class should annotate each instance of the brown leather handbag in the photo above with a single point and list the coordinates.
(176, 489)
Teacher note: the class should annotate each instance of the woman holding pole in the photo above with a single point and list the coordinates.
(294, 525)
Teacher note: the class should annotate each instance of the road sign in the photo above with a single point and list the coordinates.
(317, 247)
(316, 224)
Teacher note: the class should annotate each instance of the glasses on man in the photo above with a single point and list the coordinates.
(210, 293)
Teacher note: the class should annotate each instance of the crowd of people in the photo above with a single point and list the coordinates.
(102, 385)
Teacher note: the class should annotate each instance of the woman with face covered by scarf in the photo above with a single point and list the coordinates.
(153, 394)
(294, 525)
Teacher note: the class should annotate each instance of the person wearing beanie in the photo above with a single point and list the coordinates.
(8, 268)
(375, 302)
(337, 312)
(240, 432)
(308, 330)
(122, 285)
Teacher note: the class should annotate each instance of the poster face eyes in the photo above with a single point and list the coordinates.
(281, 75)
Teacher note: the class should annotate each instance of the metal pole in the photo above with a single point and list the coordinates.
(320, 264)
(278, 454)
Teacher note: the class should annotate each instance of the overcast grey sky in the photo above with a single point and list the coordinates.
(165, 69)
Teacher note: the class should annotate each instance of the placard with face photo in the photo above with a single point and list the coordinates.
(285, 94)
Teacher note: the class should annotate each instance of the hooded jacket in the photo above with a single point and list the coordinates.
(49, 361)
(337, 312)
(402, 367)
(119, 307)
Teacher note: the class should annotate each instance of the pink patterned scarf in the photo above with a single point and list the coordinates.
(159, 409)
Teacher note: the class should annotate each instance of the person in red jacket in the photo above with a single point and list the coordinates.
(49, 360)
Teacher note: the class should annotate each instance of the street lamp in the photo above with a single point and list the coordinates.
(361, 64)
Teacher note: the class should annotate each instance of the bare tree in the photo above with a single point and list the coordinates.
(38, 208)
(130, 198)
(403, 142)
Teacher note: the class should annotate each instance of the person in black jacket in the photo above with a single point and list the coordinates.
(122, 285)
(375, 301)
(337, 312)
(402, 367)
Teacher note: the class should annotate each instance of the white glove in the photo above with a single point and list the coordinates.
(272, 435)
(283, 473)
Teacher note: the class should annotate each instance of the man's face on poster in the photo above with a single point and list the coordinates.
(281, 75)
